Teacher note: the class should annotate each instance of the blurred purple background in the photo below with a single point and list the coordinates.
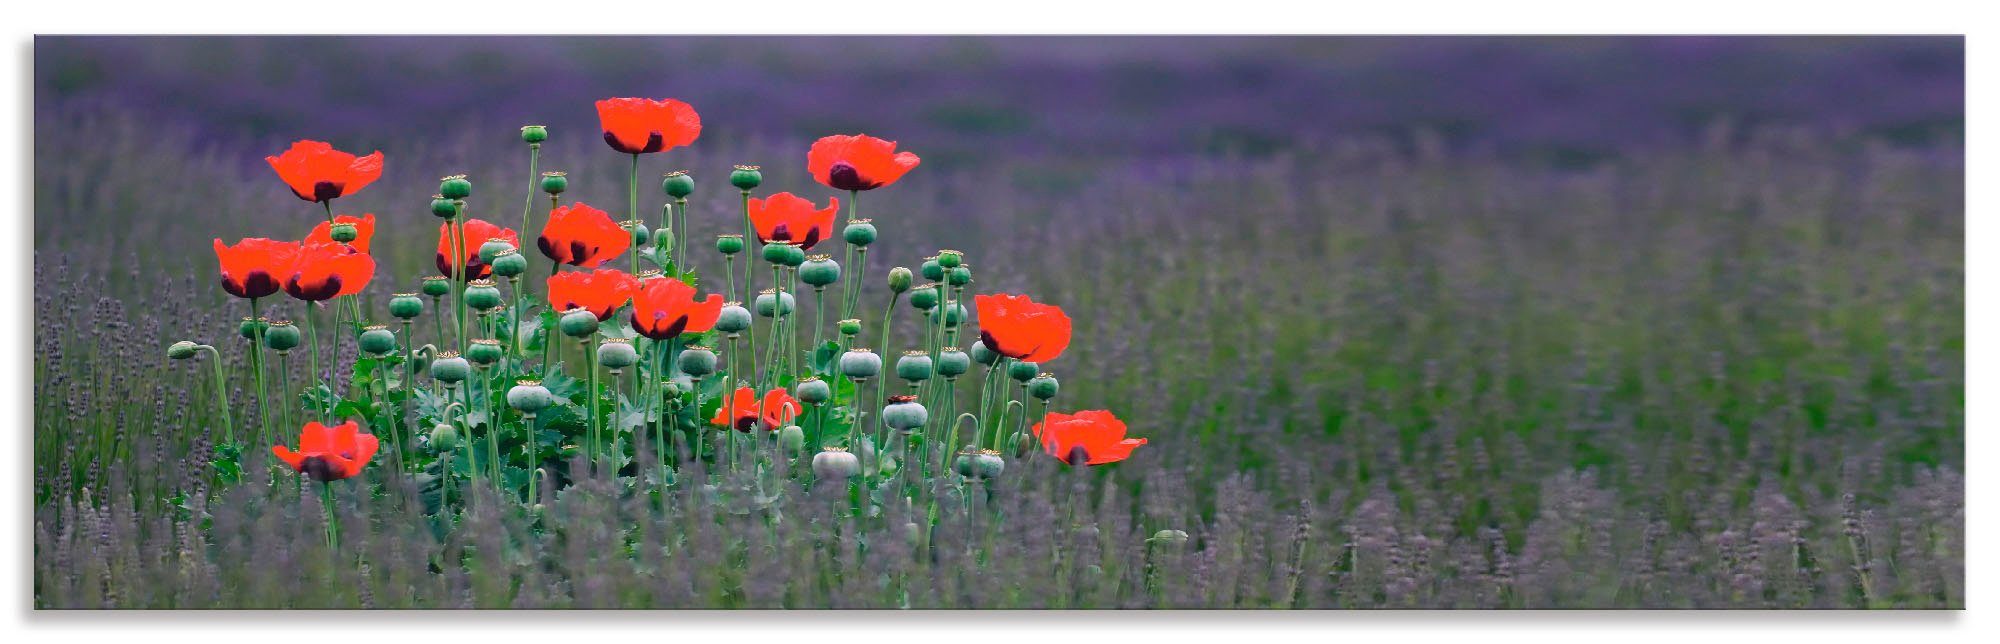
(1564, 100)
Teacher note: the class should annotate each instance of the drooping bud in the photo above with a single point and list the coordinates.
(378, 340)
(819, 271)
(1044, 386)
(555, 183)
(904, 413)
(767, 303)
(925, 297)
(343, 232)
(859, 232)
(952, 363)
(813, 391)
(640, 235)
(493, 247)
(436, 286)
(1168, 538)
(733, 318)
(746, 177)
(529, 396)
(455, 187)
(534, 133)
(697, 361)
(899, 279)
(1022, 371)
(860, 363)
(849, 327)
(578, 323)
(444, 437)
(182, 350)
(443, 208)
(450, 368)
(482, 295)
(509, 263)
(950, 258)
(282, 336)
(983, 355)
(835, 463)
(729, 244)
(616, 353)
(677, 184)
(793, 439)
(914, 366)
(406, 305)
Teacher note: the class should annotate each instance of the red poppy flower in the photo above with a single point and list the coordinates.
(580, 235)
(602, 291)
(316, 172)
(642, 125)
(664, 307)
(1019, 328)
(857, 162)
(1100, 434)
(785, 217)
(322, 271)
(364, 230)
(741, 410)
(477, 231)
(330, 453)
(253, 267)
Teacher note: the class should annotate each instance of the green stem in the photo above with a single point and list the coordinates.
(257, 366)
(590, 404)
(285, 383)
(312, 340)
(221, 395)
(633, 213)
(332, 515)
(528, 205)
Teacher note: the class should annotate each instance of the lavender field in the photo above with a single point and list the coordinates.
(1406, 322)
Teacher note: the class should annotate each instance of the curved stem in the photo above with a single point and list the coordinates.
(221, 395)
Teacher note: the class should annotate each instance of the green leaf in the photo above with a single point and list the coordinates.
(824, 358)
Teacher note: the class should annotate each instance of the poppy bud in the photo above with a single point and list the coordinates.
(617, 353)
(443, 208)
(967, 463)
(914, 366)
(482, 295)
(484, 352)
(249, 328)
(813, 391)
(819, 270)
(859, 232)
(455, 187)
(1022, 370)
(509, 263)
(437, 286)
(860, 363)
(378, 340)
(663, 238)
(578, 323)
(983, 355)
(676, 387)
(1024, 444)
(343, 232)
(767, 300)
(954, 314)
(729, 244)
(282, 336)
(950, 258)
(952, 363)
(988, 464)
(444, 437)
(899, 279)
(904, 413)
(793, 439)
(492, 248)
(1044, 386)
(775, 252)
(835, 463)
(932, 270)
(529, 396)
(678, 184)
(733, 318)
(182, 350)
(697, 361)
(1168, 538)
(638, 230)
(450, 368)
(850, 327)
(925, 297)
(746, 177)
(555, 183)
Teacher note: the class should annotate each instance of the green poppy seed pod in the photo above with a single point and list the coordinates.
(819, 271)
(959, 276)
(640, 235)
(746, 177)
(904, 413)
(443, 208)
(406, 305)
(282, 336)
(437, 286)
(697, 361)
(859, 232)
(1044, 386)
(343, 232)
(450, 368)
(767, 300)
(578, 323)
(899, 279)
(954, 314)
(617, 353)
(952, 363)
(925, 297)
(794, 256)
(850, 327)
(813, 391)
(793, 439)
(983, 355)
(932, 270)
(455, 187)
(378, 340)
(950, 258)
(529, 396)
(967, 463)
(444, 437)
(534, 133)
(729, 244)
(988, 464)
(483, 295)
(835, 463)
(251, 326)
(1022, 371)
(678, 184)
(182, 350)
(914, 366)
(509, 263)
(775, 252)
(860, 363)
(484, 352)
(555, 182)
(733, 318)
(492, 248)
